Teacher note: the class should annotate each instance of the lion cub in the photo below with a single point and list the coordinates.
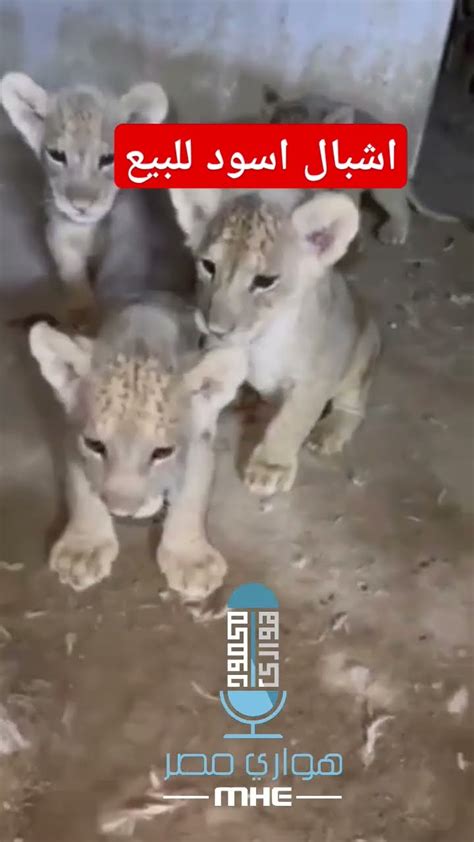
(72, 134)
(267, 286)
(316, 108)
(142, 408)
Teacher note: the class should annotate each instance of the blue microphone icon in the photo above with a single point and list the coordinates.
(253, 696)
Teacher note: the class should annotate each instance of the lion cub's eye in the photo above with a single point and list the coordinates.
(57, 155)
(263, 282)
(106, 160)
(209, 266)
(161, 453)
(95, 445)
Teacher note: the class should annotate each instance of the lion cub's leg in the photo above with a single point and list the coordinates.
(191, 565)
(84, 553)
(71, 246)
(359, 243)
(350, 400)
(274, 462)
(395, 230)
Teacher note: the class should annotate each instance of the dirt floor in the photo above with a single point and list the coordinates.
(370, 555)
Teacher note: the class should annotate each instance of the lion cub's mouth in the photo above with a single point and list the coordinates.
(148, 509)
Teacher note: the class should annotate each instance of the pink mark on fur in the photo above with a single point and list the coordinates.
(321, 239)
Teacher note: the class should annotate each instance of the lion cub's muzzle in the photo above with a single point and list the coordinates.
(213, 333)
(121, 507)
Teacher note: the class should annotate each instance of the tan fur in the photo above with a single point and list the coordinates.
(142, 417)
(315, 108)
(135, 392)
(305, 338)
(72, 134)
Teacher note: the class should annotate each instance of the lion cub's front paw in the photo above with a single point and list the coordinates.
(194, 571)
(265, 478)
(392, 233)
(81, 559)
(327, 440)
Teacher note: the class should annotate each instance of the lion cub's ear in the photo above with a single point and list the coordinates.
(340, 114)
(26, 104)
(145, 103)
(63, 361)
(326, 225)
(194, 208)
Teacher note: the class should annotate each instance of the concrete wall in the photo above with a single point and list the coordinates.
(212, 55)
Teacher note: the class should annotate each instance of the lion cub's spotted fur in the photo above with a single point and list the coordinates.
(267, 286)
(72, 134)
(135, 391)
(142, 406)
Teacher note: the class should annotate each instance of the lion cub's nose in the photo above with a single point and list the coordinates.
(81, 205)
(119, 504)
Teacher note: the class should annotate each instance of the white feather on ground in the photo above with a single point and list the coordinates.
(458, 702)
(372, 734)
(122, 821)
(11, 740)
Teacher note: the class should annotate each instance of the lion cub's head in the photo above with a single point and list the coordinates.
(72, 133)
(256, 255)
(133, 399)
(123, 409)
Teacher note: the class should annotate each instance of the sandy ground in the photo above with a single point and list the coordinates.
(370, 555)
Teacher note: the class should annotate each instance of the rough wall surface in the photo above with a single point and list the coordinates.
(212, 55)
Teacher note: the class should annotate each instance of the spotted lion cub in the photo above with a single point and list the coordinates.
(142, 408)
(267, 286)
(72, 134)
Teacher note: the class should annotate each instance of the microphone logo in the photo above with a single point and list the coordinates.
(253, 696)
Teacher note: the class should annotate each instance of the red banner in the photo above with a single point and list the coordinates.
(255, 156)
